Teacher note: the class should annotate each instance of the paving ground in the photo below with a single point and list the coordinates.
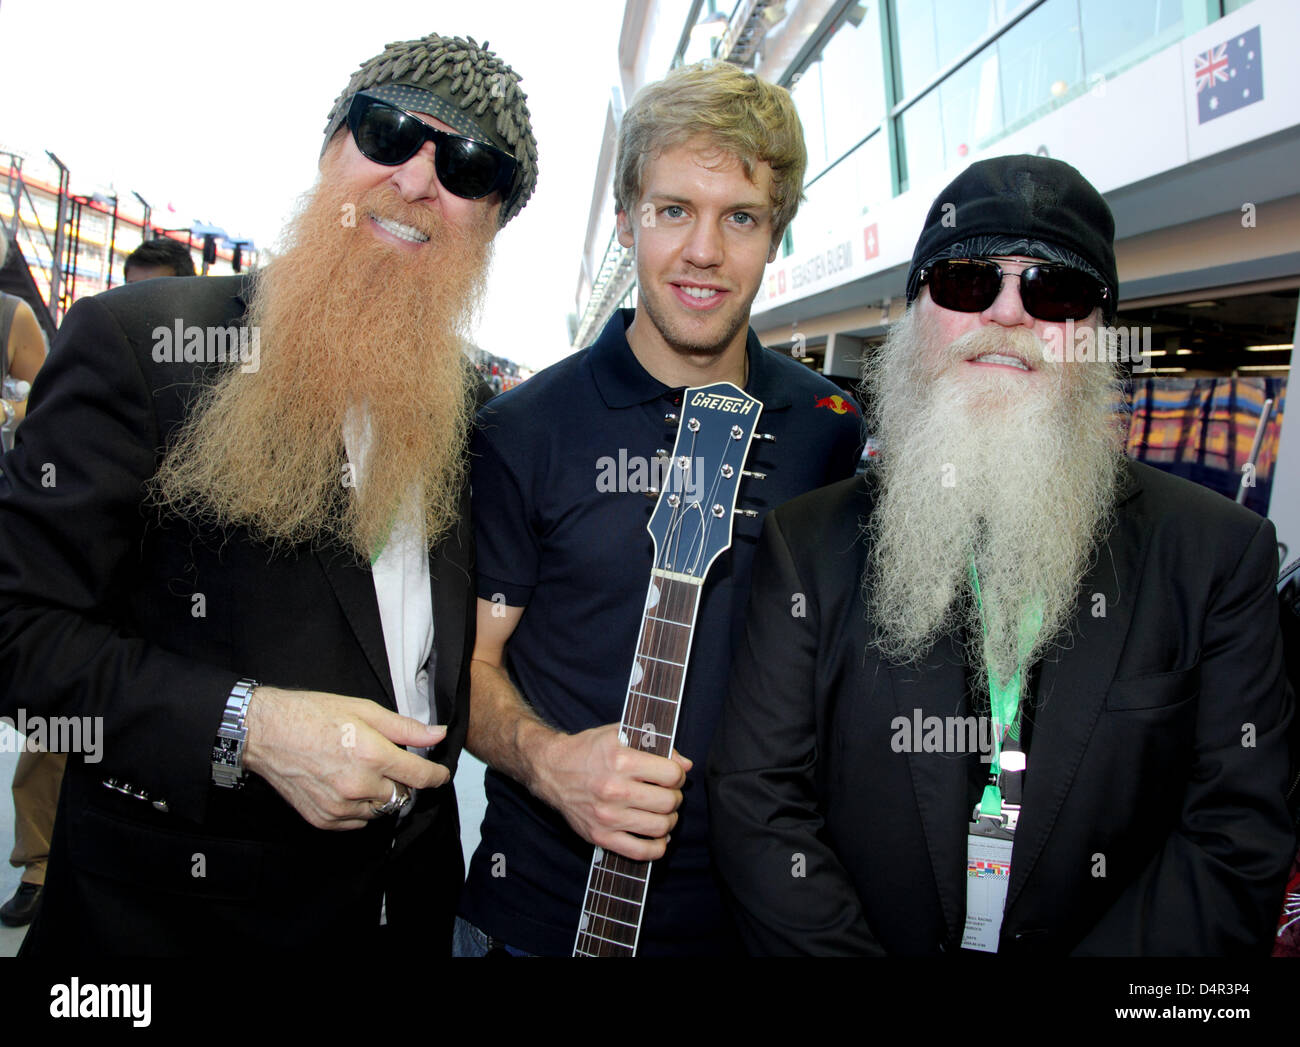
(469, 788)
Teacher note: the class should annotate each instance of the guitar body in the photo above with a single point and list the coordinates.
(691, 527)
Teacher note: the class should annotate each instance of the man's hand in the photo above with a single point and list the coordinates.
(608, 792)
(622, 799)
(335, 759)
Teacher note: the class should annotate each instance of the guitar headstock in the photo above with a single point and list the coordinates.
(691, 523)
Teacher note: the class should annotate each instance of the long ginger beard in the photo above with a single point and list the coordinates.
(978, 462)
(347, 324)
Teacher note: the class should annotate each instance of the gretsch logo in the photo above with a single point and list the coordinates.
(714, 402)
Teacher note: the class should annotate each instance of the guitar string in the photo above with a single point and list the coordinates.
(675, 598)
(679, 596)
(651, 643)
(602, 877)
(655, 674)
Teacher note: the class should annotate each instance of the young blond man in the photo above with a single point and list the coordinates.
(709, 175)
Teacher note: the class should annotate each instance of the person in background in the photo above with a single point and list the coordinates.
(22, 351)
(162, 256)
(38, 774)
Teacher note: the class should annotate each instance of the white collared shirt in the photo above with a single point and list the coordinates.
(402, 588)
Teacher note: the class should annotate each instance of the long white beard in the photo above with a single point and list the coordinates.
(972, 467)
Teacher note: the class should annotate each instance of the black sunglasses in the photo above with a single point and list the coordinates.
(1048, 292)
(389, 135)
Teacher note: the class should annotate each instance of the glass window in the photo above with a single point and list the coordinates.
(663, 32)
(853, 79)
(807, 94)
(844, 195)
(962, 115)
(971, 103)
(1041, 59)
(840, 95)
(920, 142)
(1119, 33)
(930, 34)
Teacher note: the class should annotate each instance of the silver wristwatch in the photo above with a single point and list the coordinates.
(228, 749)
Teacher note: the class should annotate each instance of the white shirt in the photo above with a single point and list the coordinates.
(401, 576)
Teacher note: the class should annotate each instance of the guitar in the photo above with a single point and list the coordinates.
(691, 527)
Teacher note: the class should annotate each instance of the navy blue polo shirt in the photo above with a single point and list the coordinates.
(552, 538)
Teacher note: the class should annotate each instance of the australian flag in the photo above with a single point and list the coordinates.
(1229, 76)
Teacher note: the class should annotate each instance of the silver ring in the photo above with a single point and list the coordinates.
(395, 803)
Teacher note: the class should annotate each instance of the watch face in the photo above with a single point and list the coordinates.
(226, 750)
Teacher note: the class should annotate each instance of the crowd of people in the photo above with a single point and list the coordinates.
(1006, 692)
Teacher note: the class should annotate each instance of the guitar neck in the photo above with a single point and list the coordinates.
(691, 527)
(616, 886)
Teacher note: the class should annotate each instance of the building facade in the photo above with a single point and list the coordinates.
(1185, 115)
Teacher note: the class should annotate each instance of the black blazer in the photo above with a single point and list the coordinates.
(108, 610)
(1153, 819)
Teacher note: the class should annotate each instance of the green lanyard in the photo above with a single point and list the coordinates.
(1004, 697)
(379, 550)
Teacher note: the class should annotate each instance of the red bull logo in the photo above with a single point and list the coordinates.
(837, 404)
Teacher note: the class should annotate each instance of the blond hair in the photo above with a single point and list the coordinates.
(737, 112)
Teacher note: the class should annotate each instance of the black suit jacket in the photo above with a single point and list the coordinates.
(1153, 819)
(109, 610)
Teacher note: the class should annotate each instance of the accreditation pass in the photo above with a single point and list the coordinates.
(988, 871)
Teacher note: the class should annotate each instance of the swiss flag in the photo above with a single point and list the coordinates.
(871, 241)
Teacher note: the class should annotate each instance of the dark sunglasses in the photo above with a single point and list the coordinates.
(389, 135)
(1048, 292)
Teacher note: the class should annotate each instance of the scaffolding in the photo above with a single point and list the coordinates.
(68, 245)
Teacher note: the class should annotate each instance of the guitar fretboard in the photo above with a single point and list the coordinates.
(616, 886)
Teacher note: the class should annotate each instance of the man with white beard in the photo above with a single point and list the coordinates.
(1031, 697)
(255, 564)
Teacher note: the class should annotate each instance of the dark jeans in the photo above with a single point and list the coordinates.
(468, 940)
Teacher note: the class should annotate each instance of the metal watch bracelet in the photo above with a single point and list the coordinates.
(228, 749)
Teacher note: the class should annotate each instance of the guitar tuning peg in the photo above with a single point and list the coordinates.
(651, 492)
(671, 419)
(747, 512)
(766, 437)
(752, 475)
(661, 453)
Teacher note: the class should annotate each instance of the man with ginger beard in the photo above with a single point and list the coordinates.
(1037, 704)
(250, 554)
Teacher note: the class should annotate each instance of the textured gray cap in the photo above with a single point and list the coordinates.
(465, 86)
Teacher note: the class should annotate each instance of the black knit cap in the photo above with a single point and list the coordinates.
(1025, 198)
